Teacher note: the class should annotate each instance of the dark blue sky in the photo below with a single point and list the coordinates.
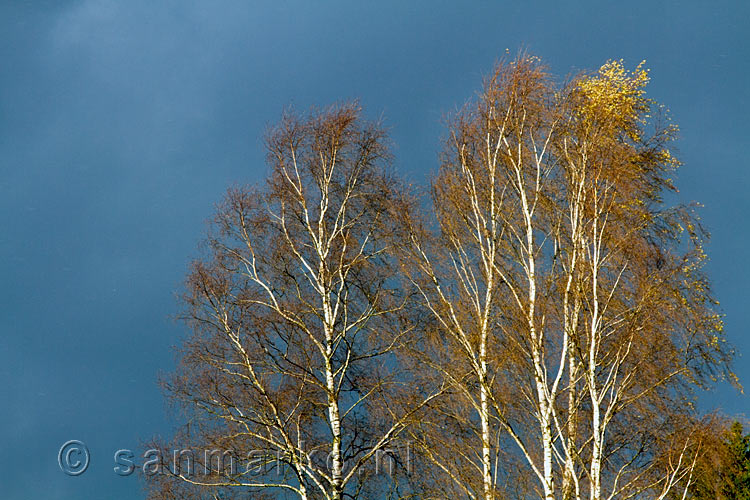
(122, 123)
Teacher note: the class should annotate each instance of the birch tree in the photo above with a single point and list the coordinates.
(647, 331)
(571, 315)
(297, 316)
(479, 280)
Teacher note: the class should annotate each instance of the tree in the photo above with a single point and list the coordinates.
(484, 196)
(567, 297)
(723, 472)
(292, 370)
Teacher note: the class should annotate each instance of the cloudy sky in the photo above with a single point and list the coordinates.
(123, 123)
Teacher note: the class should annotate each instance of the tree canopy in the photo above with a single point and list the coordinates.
(540, 331)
